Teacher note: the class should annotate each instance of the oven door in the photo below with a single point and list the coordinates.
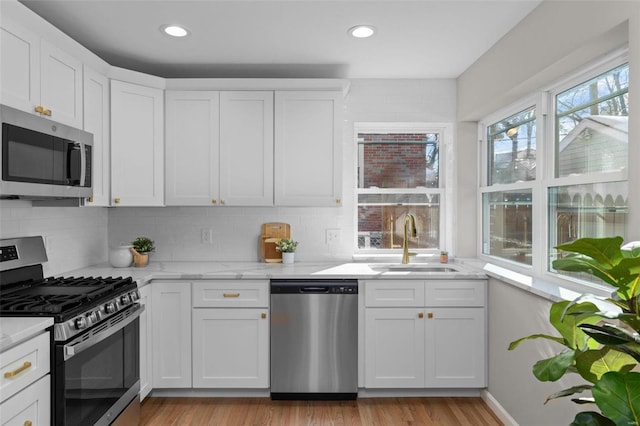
(97, 375)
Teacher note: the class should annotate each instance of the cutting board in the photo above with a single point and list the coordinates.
(272, 233)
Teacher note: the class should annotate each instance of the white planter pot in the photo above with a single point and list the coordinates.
(120, 257)
(288, 257)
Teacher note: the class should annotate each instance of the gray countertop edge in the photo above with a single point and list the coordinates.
(15, 330)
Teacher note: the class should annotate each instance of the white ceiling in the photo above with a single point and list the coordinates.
(288, 39)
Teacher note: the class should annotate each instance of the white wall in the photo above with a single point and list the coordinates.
(236, 231)
(555, 39)
(75, 237)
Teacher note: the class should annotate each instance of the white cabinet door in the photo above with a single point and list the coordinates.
(137, 145)
(20, 67)
(230, 348)
(146, 343)
(246, 148)
(455, 348)
(308, 139)
(192, 147)
(32, 406)
(61, 85)
(96, 121)
(394, 348)
(37, 74)
(171, 334)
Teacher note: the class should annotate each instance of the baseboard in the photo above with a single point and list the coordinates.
(497, 409)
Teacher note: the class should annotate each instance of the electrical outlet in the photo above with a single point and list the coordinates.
(333, 236)
(206, 236)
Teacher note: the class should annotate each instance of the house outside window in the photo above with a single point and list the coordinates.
(551, 178)
(399, 173)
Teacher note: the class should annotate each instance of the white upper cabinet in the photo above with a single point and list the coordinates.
(219, 148)
(308, 136)
(192, 147)
(137, 141)
(96, 121)
(38, 77)
(246, 148)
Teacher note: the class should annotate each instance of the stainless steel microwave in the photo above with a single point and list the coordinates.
(43, 159)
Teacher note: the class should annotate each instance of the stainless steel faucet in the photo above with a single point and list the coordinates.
(409, 231)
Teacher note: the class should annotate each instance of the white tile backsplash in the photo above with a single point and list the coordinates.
(75, 237)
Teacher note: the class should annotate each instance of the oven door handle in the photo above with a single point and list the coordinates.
(78, 345)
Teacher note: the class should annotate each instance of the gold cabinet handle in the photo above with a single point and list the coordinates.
(231, 294)
(214, 201)
(222, 201)
(420, 315)
(39, 109)
(430, 315)
(338, 201)
(10, 374)
(116, 200)
(47, 112)
(263, 315)
(28, 423)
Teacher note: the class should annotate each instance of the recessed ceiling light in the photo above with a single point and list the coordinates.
(362, 31)
(174, 30)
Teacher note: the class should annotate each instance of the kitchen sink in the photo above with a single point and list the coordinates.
(412, 268)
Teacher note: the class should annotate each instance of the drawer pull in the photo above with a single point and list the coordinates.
(10, 374)
(231, 294)
(420, 315)
(28, 423)
(430, 315)
(263, 316)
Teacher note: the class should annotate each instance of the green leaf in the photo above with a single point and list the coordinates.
(562, 318)
(618, 397)
(516, 343)
(585, 264)
(609, 334)
(566, 392)
(551, 369)
(605, 251)
(591, 418)
(592, 364)
(583, 401)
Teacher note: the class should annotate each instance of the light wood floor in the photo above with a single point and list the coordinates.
(363, 412)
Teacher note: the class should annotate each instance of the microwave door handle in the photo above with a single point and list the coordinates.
(76, 346)
(83, 164)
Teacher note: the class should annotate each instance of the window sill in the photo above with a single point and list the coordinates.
(543, 288)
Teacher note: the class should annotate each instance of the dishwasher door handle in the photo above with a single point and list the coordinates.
(314, 290)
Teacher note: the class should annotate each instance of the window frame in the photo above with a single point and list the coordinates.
(544, 102)
(446, 177)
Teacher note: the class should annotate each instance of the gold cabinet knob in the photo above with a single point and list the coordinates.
(116, 200)
(338, 202)
(89, 199)
(420, 315)
(222, 201)
(430, 315)
(214, 201)
(28, 423)
(263, 315)
(39, 109)
(47, 112)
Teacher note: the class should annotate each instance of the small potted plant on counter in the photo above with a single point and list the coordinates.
(287, 247)
(141, 247)
(444, 256)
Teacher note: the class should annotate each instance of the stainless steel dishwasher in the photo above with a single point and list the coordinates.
(314, 339)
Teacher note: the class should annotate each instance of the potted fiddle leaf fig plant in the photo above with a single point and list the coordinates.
(287, 247)
(601, 345)
(141, 247)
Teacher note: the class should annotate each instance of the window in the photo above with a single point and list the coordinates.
(583, 189)
(399, 173)
(507, 207)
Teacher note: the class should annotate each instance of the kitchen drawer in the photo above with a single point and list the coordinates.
(231, 293)
(23, 364)
(32, 406)
(455, 293)
(394, 293)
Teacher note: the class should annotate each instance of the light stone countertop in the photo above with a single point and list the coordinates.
(14, 330)
(263, 271)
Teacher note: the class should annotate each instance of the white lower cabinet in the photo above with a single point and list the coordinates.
(231, 334)
(146, 339)
(32, 406)
(230, 348)
(425, 334)
(171, 316)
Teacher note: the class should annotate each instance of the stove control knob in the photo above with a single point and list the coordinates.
(93, 317)
(110, 307)
(135, 295)
(125, 299)
(80, 323)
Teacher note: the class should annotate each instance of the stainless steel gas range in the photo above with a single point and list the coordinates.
(96, 350)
